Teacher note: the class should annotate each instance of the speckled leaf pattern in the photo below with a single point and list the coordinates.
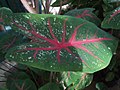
(76, 80)
(112, 20)
(85, 13)
(61, 43)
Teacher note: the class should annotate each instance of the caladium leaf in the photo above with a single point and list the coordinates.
(76, 80)
(61, 43)
(85, 13)
(112, 19)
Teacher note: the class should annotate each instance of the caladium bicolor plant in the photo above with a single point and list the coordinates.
(61, 43)
(112, 19)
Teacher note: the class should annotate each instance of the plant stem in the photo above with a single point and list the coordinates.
(47, 4)
(51, 76)
(60, 7)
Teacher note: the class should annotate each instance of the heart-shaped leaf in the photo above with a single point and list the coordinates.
(85, 13)
(112, 20)
(61, 43)
(76, 80)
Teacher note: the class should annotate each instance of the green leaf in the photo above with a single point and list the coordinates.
(20, 81)
(61, 43)
(76, 80)
(112, 20)
(85, 13)
(50, 86)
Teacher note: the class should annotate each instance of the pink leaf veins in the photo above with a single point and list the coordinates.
(58, 46)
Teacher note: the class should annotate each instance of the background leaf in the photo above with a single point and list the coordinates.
(20, 81)
(112, 20)
(85, 13)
